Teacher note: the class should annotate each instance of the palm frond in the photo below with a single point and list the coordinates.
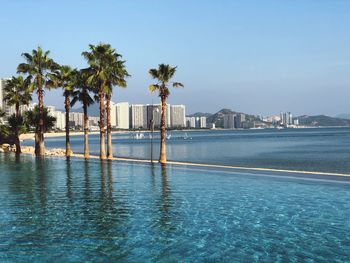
(177, 85)
(153, 87)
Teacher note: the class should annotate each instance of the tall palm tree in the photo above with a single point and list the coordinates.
(99, 58)
(82, 94)
(116, 77)
(37, 66)
(163, 75)
(65, 77)
(17, 93)
(2, 113)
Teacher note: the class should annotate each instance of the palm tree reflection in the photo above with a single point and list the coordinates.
(86, 181)
(167, 213)
(69, 180)
(41, 181)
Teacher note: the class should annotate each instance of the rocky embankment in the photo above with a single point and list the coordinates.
(7, 148)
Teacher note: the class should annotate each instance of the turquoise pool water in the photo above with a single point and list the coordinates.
(71, 211)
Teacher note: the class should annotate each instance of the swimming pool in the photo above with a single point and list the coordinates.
(69, 211)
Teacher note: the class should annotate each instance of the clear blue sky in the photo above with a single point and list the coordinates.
(258, 57)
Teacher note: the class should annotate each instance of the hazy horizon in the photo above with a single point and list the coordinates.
(250, 56)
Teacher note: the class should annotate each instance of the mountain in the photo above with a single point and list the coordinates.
(322, 120)
(343, 116)
(200, 114)
(93, 110)
(218, 118)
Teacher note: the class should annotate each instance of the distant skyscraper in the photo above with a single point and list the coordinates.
(3, 105)
(202, 122)
(113, 114)
(229, 121)
(177, 116)
(138, 116)
(191, 122)
(239, 120)
(155, 111)
(60, 116)
(77, 119)
(286, 118)
(2, 86)
(122, 115)
(93, 121)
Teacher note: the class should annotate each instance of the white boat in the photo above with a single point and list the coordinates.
(185, 136)
(139, 136)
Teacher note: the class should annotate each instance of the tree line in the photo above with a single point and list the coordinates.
(94, 84)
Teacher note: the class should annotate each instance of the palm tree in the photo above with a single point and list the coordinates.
(3, 128)
(4, 131)
(65, 77)
(17, 93)
(37, 66)
(82, 94)
(163, 75)
(32, 117)
(116, 77)
(99, 59)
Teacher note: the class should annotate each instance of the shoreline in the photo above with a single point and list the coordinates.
(60, 152)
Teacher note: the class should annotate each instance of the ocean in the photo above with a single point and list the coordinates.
(313, 149)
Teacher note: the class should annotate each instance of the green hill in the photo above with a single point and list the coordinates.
(322, 120)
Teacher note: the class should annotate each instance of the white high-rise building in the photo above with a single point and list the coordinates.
(286, 118)
(202, 122)
(191, 122)
(2, 86)
(113, 115)
(60, 117)
(77, 118)
(138, 116)
(122, 115)
(177, 116)
(229, 121)
(60, 120)
(155, 111)
(3, 105)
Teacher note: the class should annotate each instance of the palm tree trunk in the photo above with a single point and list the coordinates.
(39, 143)
(17, 142)
(67, 105)
(162, 156)
(102, 123)
(86, 137)
(109, 135)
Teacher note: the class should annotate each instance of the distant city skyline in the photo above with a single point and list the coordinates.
(256, 57)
